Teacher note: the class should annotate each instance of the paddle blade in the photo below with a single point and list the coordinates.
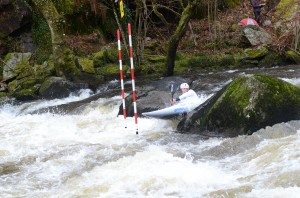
(173, 88)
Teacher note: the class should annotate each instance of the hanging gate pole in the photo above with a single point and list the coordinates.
(121, 76)
(132, 78)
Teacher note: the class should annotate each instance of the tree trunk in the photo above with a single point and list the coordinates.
(176, 37)
(61, 55)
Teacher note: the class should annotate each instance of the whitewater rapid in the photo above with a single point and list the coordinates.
(91, 154)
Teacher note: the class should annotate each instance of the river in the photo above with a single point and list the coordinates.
(91, 154)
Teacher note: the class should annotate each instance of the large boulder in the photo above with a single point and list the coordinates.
(14, 16)
(254, 36)
(151, 96)
(106, 55)
(14, 19)
(246, 105)
(57, 87)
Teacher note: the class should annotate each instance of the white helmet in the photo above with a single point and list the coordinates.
(184, 85)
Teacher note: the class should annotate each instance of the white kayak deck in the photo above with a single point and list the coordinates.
(174, 110)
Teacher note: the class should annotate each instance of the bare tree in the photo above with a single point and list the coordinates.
(178, 34)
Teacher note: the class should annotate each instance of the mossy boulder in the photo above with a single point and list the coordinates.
(244, 106)
(112, 71)
(293, 56)
(212, 61)
(57, 87)
(272, 59)
(85, 65)
(15, 64)
(255, 53)
(24, 89)
(108, 54)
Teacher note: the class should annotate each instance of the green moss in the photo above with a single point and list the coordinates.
(66, 6)
(213, 61)
(106, 55)
(155, 59)
(293, 56)
(270, 60)
(111, 70)
(2, 94)
(69, 66)
(231, 3)
(7, 57)
(30, 93)
(286, 9)
(256, 53)
(41, 38)
(23, 70)
(45, 85)
(86, 65)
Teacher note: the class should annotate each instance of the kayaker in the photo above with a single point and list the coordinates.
(187, 93)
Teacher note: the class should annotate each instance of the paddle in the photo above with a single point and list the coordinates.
(173, 88)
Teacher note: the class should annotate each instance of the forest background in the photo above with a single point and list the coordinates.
(75, 39)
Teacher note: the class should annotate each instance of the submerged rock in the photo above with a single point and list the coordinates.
(246, 105)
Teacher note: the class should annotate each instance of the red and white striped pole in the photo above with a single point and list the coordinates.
(132, 78)
(121, 76)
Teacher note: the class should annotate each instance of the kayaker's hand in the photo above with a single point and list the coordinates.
(173, 101)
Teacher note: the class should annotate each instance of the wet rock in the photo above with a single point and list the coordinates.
(57, 87)
(245, 105)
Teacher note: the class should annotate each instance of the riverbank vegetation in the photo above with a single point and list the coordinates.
(76, 39)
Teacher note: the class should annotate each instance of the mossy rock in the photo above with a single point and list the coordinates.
(156, 59)
(44, 70)
(3, 94)
(271, 59)
(112, 70)
(24, 89)
(108, 54)
(246, 105)
(256, 53)
(24, 83)
(15, 64)
(24, 71)
(213, 61)
(86, 65)
(27, 94)
(293, 56)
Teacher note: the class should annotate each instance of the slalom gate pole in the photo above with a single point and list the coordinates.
(121, 76)
(132, 78)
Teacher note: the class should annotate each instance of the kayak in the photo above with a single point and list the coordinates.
(172, 111)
